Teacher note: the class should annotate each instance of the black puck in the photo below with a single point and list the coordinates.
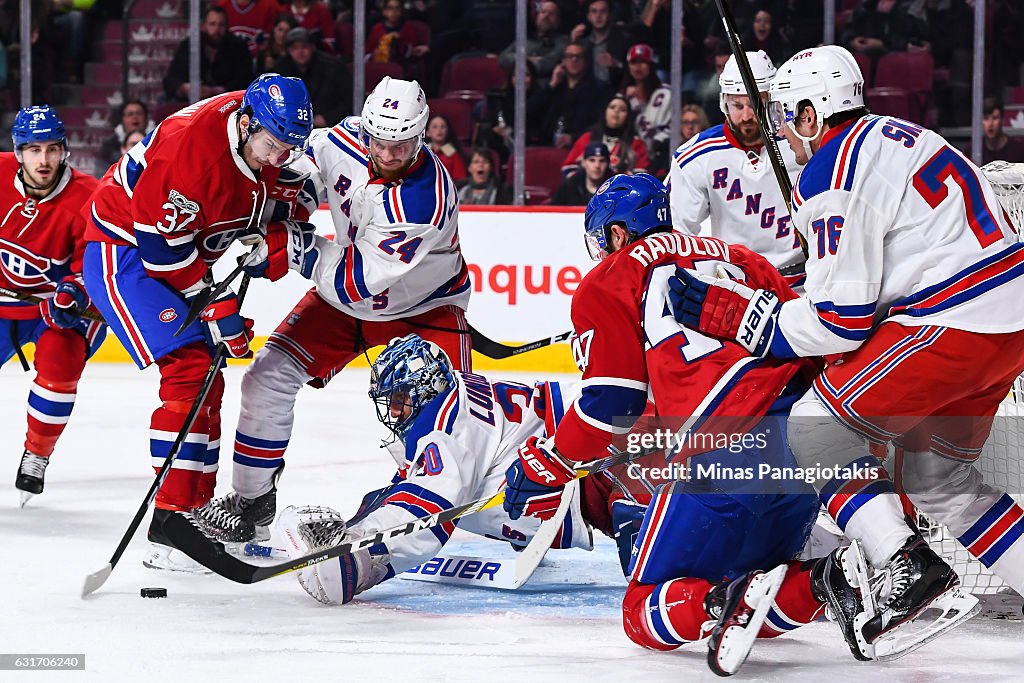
(153, 592)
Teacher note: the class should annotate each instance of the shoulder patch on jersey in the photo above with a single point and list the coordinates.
(712, 132)
(710, 140)
(351, 124)
(180, 212)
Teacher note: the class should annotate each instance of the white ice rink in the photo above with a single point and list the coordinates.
(564, 626)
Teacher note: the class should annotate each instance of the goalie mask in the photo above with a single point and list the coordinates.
(407, 375)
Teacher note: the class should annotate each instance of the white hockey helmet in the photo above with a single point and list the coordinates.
(395, 110)
(827, 76)
(731, 81)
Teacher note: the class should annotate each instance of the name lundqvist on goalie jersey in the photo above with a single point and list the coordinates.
(901, 227)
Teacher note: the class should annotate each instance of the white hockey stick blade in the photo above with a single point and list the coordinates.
(955, 606)
(503, 574)
(737, 641)
(96, 579)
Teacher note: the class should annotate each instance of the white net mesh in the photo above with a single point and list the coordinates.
(1007, 180)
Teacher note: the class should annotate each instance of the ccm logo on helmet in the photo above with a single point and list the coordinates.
(167, 315)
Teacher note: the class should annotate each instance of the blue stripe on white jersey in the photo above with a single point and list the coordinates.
(421, 197)
(709, 140)
(835, 164)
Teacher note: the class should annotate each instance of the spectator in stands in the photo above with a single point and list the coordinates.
(501, 114)
(314, 16)
(650, 101)
(132, 115)
(393, 39)
(484, 185)
(69, 19)
(224, 61)
(327, 81)
(800, 22)
(692, 120)
(764, 35)
(655, 29)
(606, 41)
(572, 98)
(577, 189)
(709, 90)
(444, 144)
(880, 26)
(251, 20)
(546, 46)
(995, 143)
(274, 48)
(133, 138)
(42, 48)
(627, 152)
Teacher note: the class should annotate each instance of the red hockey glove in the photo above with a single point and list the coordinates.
(69, 299)
(535, 480)
(227, 327)
(287, 245)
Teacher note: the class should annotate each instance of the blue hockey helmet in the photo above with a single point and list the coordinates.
(639, 203)
(279, 105)
(406, 376)
(38, 124)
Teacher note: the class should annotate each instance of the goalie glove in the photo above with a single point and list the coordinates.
(725, 309)
(287, 245)
(69, 299)
(308, 529)
(226, 326)
(534, 482)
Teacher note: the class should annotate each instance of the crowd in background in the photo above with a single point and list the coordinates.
(596, 72)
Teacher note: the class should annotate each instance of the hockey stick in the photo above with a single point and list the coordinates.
(211, 553)
(760, 112)
(201, 300)
(497, 573)
(32, 298)
(498, 351)
(98, 578)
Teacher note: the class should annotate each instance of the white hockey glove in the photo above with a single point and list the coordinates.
(725, 308)
(336, 581)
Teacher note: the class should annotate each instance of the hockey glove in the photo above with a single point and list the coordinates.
(534, 482)
(69, 299)
(226, 326)
(287, 245)
(724, 308)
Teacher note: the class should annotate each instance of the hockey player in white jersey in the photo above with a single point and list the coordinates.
(395, 267)
(914, 280)
(725, 173)
(455, 434)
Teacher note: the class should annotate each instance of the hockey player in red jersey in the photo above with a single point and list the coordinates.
(698, 530)
(394, 267)
(161, 217)
(41, 245)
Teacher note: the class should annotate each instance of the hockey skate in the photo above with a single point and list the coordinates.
(744, 607)
(915, 584)
(236, 519)
(162, 554)
(841, 581)
(31, 473)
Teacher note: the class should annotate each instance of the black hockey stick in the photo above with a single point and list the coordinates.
(98, 578)
(497, 350)
(211, 553)
(760, 111)
(32, 298)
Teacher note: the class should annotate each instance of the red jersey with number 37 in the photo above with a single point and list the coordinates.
(41, 240)
(183, 194)
(627, 343)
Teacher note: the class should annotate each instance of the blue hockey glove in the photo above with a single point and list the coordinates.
(69, 299)
(534, 482)
(288, 245)
(725, 309)
(226, 326)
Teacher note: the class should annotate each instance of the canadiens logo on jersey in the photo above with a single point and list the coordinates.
(29, 209)
(21, 267)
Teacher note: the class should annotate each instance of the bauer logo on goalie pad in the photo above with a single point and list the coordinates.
(180, 212)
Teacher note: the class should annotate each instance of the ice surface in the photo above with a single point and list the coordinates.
(564, 625)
